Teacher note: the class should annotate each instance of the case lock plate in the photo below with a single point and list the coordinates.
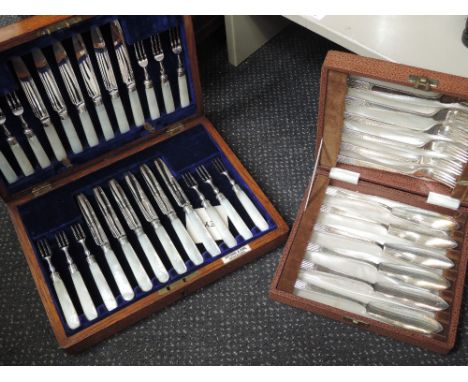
(41, 189)
(423, 83)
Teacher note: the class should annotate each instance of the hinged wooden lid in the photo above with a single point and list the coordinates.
(337, 67)
(49, 28)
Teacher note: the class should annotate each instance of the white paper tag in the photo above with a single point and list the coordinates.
(237, 253)
(201, 212)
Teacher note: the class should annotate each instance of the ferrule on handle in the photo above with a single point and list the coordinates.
(253, 212)
(105, 122)
(88, 128)
(201, 231)
(120, 114)
(72, 135)
(137, 111)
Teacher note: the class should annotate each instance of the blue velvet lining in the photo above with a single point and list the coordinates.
(135, 28)
(57, 210)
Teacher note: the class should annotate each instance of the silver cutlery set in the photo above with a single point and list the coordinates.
(380, 259)
(399, 129)
(56, 96)
(120, 206)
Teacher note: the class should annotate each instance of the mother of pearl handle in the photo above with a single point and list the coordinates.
(183, 91)
(105, 122)
(189, 246)
(220, 226)
(22, 159)
(201, 232)
(68, 309)
(119, 111)
(170, 249)
(152, 103)
(253, 211)
(7, 170)
(72, 135)
(88, 128)
(118, 273)
(38, 151)
(235, 218)
(157, 265)
(103, 287)
(137, 111)
(135, 264)
(83, 295)
(55, 142)
(167, 96)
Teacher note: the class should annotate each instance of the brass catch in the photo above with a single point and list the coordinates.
(65, 24)
(423, 83)
(173, 130)
(41, 189)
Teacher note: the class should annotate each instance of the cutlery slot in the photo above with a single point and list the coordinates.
(56, 211)
(133, 32)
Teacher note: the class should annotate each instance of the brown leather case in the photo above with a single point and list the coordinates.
(333, 87)
(37, 26)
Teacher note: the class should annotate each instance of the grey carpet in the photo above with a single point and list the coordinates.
(266, 110)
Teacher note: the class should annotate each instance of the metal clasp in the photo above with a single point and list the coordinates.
(423, 83)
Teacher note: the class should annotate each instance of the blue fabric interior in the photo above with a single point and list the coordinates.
(57, 210)
(135, 28)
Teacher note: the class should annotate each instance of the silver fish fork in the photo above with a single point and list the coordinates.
(427, 171)
(17, 109)
(82, 291)
(176, 46)
(231, 212)
(142, 59)
(213, 215)
(65, 302)
(101, 282)
(158, 54)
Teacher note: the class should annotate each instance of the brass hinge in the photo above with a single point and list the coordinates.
(355, 322)
(65, 24)
(423, 83)
(41, 189)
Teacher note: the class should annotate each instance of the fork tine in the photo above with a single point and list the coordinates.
(135, 47)
(186, 180)
(192, 178)
(153, 45)
(9, 100)
(16, 98)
